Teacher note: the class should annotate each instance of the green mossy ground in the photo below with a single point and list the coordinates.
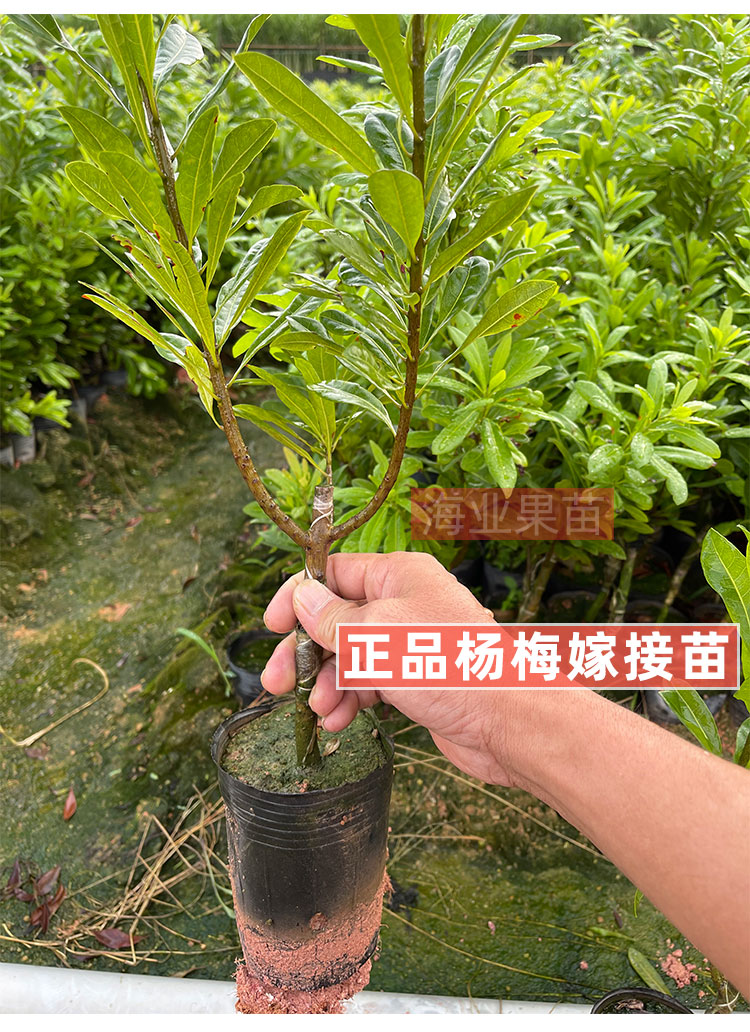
(263, 754)
(460, 858)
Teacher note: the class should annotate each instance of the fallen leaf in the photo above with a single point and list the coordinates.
(88, 516)
(46, 882)
(25, 897)
(40, 917)
(115, 611)
(15, 878)
(134, 689)
(330, 747)
(70, 805)
(56, 900)
(122, 660)
(86, 480)
(194, 534)
(133, 522)
(114, 939)
(26, 587)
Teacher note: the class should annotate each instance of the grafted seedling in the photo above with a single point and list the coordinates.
(353, 342)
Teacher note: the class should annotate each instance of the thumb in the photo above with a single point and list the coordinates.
(320, 611)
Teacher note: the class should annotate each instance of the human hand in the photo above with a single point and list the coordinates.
(401, 587)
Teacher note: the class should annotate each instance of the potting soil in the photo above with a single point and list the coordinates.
(263, 754)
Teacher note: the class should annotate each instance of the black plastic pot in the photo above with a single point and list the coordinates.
(245, 681)
(113, 378)
(638, 1001)
(304, 866)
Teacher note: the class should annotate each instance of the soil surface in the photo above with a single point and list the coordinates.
(263, 754)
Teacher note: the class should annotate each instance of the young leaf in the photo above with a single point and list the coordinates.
(127, 39)
(398, 197)
(176, 47)
(289, 95)
(510, 310)
(742, 744)
(195, 177)
(242, 144)
(695, 715)
(381, 34)
(389, 138)
(219, 220)
(498, 216)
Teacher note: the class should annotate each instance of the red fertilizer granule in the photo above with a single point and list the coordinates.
(675, 968)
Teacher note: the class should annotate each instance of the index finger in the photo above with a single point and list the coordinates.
(357, 577)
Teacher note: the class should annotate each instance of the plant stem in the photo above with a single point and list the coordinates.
(622, 591)
(681, 571)
(610, 572)
(308, 654)
(533, 599)
(416, 286)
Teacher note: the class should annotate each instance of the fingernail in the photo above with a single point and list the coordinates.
(310, 596)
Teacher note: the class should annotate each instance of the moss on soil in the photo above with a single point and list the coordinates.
(263, 754)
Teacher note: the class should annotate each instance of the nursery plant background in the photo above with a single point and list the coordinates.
(132, 523)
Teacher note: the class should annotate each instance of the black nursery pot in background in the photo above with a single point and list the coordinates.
(307, 871)
(247, 654)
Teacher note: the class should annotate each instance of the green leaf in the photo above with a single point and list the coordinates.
(276, 427)
(398, 197)
(219, 220)
(459, 427)
(190, 291)
(381, 34)
(136, 322)
(289, 95)
(510, 310)
(354, 394)
(94, 133)
(641, 449)
(127, 38)
(176, 47)
(726, 570)
(389, 138)
(215, 92)
(676, 483)
(500, 462)
(595, 396)
(97, 188)
(242, 144)
(239, 292)
(268, 197)
(196, 367)
(497, 216)
(657, 379)
(139, 189)
(742, 744)
(195, 177)
(644, 968)
(603, 460)
(695, 715)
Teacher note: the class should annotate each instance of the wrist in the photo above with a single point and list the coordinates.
(539, 735)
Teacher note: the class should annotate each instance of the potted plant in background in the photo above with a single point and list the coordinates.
(308, 837)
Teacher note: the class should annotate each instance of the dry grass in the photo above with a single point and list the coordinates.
(137, 920)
